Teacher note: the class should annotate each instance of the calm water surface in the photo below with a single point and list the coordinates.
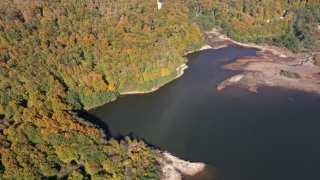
(273, 134)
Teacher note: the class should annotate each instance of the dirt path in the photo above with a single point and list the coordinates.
(264, 69)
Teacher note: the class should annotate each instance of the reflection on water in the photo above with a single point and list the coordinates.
(273, 134)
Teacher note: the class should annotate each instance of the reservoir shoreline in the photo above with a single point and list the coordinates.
(262, 70)
(180, 71)
(174, 168)
(265, 69)
(266, 55)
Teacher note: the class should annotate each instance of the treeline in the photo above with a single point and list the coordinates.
(59, 56)
(60, 53)
(276, 22)
(43, 144)
(304, 27)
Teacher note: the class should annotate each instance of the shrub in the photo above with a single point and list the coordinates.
(290, 74)
(317, 60)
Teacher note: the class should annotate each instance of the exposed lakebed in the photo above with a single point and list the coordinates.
(273, 134)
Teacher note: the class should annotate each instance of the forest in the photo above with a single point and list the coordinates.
(58, 57)
(290, 24)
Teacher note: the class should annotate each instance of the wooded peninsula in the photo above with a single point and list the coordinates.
(58, 57)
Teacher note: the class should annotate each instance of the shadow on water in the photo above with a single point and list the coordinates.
(103, 125)
(120, 137)
(97, 121)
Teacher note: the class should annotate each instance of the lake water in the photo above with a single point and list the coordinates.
(273, 134)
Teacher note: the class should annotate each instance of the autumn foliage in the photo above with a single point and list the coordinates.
(59, 56)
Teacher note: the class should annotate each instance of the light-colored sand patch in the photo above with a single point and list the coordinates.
(206, 46)
(180, 71)
(159, 4)
(235, 78)
(170, 173)
(174, 168)
(283, 56)
(221, 37)
(184, 166)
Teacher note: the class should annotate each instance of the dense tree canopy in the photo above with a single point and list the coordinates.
(277, 22)
(59, 56)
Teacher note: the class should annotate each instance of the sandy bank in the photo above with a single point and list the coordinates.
(217, 40)
(264, 69)
(262, 72)
(174, 168)
(204, 47)
(180, 71)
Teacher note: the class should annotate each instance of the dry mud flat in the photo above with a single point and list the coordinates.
(263, 72)
(264, 69)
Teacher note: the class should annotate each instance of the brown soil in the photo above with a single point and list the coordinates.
(264, 69)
